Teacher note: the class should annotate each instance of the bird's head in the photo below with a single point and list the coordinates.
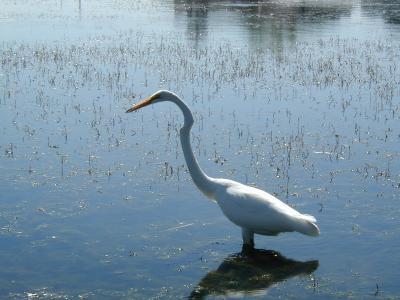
(159, 96)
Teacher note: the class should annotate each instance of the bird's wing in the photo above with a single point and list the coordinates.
(254, 200)
(253, 208)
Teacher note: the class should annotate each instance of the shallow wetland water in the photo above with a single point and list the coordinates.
(300, 98)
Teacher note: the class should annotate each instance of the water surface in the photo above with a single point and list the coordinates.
(300, 98)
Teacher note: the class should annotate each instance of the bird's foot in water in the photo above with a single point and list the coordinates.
(248, 240)
(248, 248)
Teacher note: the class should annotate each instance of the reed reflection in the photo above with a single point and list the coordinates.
(196, 13)
(264, 21)
(388, 10)
(250, 272)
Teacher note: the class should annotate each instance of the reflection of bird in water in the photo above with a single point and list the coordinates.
(250, 272)
(254, 210)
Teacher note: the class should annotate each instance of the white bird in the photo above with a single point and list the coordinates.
(254, 210)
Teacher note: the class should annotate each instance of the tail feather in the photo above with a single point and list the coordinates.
(310, 218)
(307, 226)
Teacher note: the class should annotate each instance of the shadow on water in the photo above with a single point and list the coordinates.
(250, 272)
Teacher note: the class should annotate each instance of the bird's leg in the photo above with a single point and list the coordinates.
(248, 238)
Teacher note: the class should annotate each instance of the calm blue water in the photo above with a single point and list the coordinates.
(300, 98)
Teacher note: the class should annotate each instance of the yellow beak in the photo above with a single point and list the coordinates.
(141, 104)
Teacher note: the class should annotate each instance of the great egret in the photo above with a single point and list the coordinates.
(254, 210)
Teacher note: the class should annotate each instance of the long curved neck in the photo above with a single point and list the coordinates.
(202, 181)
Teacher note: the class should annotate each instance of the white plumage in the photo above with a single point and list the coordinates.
(254, 210)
